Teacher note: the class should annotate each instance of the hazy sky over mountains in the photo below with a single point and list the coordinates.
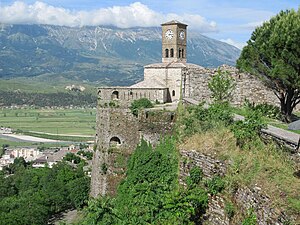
(230, 21)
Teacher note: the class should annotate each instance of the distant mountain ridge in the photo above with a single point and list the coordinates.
(102, 55)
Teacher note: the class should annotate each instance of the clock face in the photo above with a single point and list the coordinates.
(181, 35)
(169, 34)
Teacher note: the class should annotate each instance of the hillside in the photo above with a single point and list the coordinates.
(101, 55)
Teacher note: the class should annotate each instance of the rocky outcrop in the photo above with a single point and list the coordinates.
(245, 198)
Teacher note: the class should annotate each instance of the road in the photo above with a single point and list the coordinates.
(26, 138)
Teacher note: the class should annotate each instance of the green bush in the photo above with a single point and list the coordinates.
(265, 109)
(142, 103)
(229, 209)
(195, 177)
(250, 218)
(201, 119)
(33, 195)
(246, 131)
(150, 193)
(221, 85)
(71, 157)
(215, 185)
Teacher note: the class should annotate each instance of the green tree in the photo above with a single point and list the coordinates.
(273, 54)
(221, 85)
(71, 157)
(142, 103)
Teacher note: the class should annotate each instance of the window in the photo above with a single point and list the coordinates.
(179, 51)
(182, 53)
(167, 53)
(114, 142)
(172, 53)
(173, 93)
(115, 95)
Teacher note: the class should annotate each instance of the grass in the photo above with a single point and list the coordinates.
(59, 122)
(263, 165)
(29, 144)
(34, 84)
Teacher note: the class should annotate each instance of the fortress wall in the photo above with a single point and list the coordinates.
(118, 134)
(247, 87)
(125, 95)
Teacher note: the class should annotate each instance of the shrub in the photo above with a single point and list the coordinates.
(229, 209)
(247, 130)
(215, 185)
(221, 85)
(142, 103)
(250, 218)
(195, 177)
(265, 109)
(71, 157)
(200, 119)
(220, 112)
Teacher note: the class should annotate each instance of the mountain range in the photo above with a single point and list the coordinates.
(98, 55)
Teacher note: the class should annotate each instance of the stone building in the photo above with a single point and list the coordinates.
(166, 82)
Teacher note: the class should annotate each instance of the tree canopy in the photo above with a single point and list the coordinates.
(273, 54)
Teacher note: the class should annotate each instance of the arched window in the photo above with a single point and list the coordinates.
(182, 53)
(179, 51)
(172, 53)
(115, 95)
(167, 53)
(173, 93)
(114, 142)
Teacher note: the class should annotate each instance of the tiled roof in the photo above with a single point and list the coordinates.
(173, 22)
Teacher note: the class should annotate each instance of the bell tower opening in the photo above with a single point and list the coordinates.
(174, 42)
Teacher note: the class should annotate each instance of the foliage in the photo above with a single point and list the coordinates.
(100, 211)
(201, 119)
(18, 164)
(229, 209)
(265, 109)
(71, 157)
(86, 154)
(33, 195)
(250, 218)
(215, 185)
(141, 103)
(273, 53)
(221, 85)
(150, 193)
(195, 177)
(246, 131)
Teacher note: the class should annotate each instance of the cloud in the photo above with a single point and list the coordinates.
(135, 14)
(239, 45)
(251, 25)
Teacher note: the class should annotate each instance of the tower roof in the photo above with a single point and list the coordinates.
(172, 22)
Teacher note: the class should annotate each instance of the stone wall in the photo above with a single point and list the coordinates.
(118, 134)
(247, 86)
(253, 198)
(245, 198)
(211, 167)
(123, 96)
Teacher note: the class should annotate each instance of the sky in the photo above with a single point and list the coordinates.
(231, 21)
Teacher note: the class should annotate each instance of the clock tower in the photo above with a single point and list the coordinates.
(173, 42)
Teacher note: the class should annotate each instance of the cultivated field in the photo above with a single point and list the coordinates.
(62, 122)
